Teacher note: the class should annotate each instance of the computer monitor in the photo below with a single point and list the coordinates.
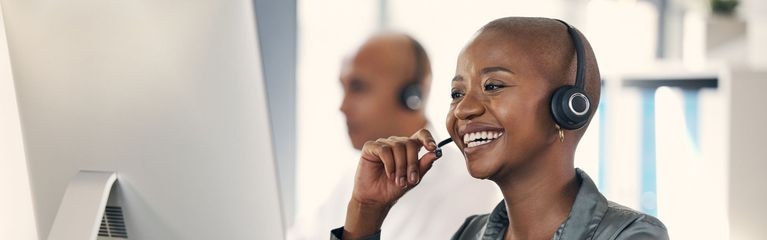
(169, 95)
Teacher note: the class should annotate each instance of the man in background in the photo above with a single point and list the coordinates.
(386, 82)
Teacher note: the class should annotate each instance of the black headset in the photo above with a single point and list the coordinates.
(570, 105)
(410, 96)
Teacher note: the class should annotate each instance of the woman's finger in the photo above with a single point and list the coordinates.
(400, 160)
(380, 152)
(413, 173)
(425, 139)
(426, 161)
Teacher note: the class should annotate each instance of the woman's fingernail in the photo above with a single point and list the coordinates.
(438, 152)
(413, 178)
(402, 182)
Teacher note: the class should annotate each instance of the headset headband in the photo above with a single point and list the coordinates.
(580, 63)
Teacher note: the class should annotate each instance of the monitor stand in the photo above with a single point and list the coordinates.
(82, 208)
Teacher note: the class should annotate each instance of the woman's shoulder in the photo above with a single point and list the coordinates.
(472, 227)
(621, 222)
(477, 226)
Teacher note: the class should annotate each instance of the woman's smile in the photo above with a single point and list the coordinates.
(479, 137)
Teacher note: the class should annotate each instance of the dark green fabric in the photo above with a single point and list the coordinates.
(592, 217)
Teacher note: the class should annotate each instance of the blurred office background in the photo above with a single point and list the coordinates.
(678, 133)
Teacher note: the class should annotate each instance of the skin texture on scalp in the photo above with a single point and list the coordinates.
(555, 54)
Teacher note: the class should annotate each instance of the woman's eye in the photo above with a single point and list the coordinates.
(493, 86)
(456, 94)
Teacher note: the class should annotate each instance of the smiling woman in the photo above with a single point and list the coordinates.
(502, 120)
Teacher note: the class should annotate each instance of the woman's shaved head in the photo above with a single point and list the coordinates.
(548, 44)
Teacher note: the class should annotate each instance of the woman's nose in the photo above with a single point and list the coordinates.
(469, 107)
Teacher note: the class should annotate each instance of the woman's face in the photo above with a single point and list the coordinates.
(499, 115)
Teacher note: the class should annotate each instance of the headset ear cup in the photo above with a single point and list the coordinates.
(410, 97)
(562, 109)
(557, 113)
(570, 106)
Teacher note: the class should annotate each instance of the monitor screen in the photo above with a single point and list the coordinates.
(169, 95)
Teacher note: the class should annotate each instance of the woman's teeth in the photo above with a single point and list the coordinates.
(478, 138)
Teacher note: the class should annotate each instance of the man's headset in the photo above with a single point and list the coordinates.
(570, 105)
(410, 95)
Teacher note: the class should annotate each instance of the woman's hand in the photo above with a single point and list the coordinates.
(387, 169)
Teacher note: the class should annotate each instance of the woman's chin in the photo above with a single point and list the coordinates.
(480, 172)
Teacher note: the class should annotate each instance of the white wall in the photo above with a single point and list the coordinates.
(757, 32)
(17, 219)
(328, 30)
(748, 155)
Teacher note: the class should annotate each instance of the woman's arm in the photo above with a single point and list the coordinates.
(387, 169)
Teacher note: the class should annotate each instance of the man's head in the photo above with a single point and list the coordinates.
(374, 78)
(504, 80)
